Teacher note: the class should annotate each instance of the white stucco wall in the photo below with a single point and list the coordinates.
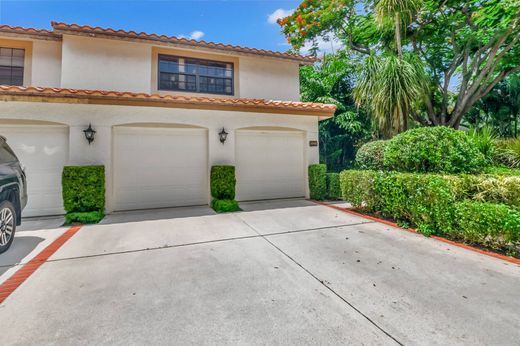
(46, 63)
(270, 79)
(94, 63)
(103, 118)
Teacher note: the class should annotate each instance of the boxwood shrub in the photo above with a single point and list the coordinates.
(318, 181)
(225, 205)
(83, 189)
(357, 188)
(480, 209)
(333, 188)
(433, 149)
(223, 182)
(493, 225)
(371, 155)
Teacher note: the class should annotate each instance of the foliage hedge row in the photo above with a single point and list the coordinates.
(427, 149)
(318, 181)
(371, 155)
(333, 187)
(223, 181)
(449, 205)
(83, 190)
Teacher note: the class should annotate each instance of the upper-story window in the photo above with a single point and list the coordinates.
(11, 66)
(195, 75)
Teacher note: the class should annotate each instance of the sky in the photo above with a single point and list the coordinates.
(250, 23)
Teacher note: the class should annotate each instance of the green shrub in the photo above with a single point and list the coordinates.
(333, 188)
(84, 217)
(357, 188)
(495, 189)
(223, 182)
(371, 155)
(424, 200)
(83, 189)
(493, 225)
(484, 140)
(318, 181)
(508, 152)
(225, 205)
(503, 171)
(433, 149)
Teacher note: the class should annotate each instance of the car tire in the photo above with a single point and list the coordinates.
(7, 225)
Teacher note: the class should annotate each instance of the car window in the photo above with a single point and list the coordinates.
(6, 154)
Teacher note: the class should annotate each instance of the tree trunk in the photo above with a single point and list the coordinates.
(398, 35)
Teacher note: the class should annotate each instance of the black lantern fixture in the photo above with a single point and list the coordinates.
(89, 134)
(223, 135)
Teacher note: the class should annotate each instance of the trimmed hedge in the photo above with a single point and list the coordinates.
(447, 205)
(88, 217)
(493, 225)
(318, 181)
(225, 205)
(371, 155)
(83, 189)
(333, 188)
(433, 149)
(223, 182)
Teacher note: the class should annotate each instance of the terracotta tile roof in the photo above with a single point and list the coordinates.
(39, 33)
(122, 34)
(179, 101)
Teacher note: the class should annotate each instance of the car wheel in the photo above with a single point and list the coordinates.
(7, 225)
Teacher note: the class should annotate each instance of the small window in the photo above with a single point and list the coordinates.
(11, 66)
(195, 75)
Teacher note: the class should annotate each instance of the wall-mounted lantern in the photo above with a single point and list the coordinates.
(223, 135)
(89, 134)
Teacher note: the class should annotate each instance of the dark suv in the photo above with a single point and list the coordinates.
(13, 194)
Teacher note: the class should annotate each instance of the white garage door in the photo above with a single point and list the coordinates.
(269, 164)
(160, 167)
(43, 150)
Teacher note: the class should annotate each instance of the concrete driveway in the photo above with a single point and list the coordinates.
(281, 272)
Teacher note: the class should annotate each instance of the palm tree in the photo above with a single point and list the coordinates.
(400, 11)
(391, 84)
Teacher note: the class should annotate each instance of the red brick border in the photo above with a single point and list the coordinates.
(444, 240)
(11, 284)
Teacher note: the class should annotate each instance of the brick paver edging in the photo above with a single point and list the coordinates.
(444, 240)
(11, 284)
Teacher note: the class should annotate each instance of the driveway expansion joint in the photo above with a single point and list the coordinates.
(322, 282)
(163, 247)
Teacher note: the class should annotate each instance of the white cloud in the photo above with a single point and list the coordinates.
(324, 45)
(196, 35)
(278, 14)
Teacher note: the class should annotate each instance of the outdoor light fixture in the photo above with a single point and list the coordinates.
(89, 134)
(223, 135)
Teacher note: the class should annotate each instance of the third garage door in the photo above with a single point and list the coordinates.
(159, 167)
(270, 164)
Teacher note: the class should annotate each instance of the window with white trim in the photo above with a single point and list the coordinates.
(195, 75)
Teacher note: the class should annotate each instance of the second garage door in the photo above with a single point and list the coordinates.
(160, 167)
(270, 164)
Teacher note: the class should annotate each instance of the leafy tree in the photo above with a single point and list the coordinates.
(470, 44)
(330, 82)
(499, 110)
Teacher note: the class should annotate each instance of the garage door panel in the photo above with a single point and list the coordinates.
(159, 167)
(43, 151)
(270, 164)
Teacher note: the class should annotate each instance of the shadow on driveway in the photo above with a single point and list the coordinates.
(21, 247)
